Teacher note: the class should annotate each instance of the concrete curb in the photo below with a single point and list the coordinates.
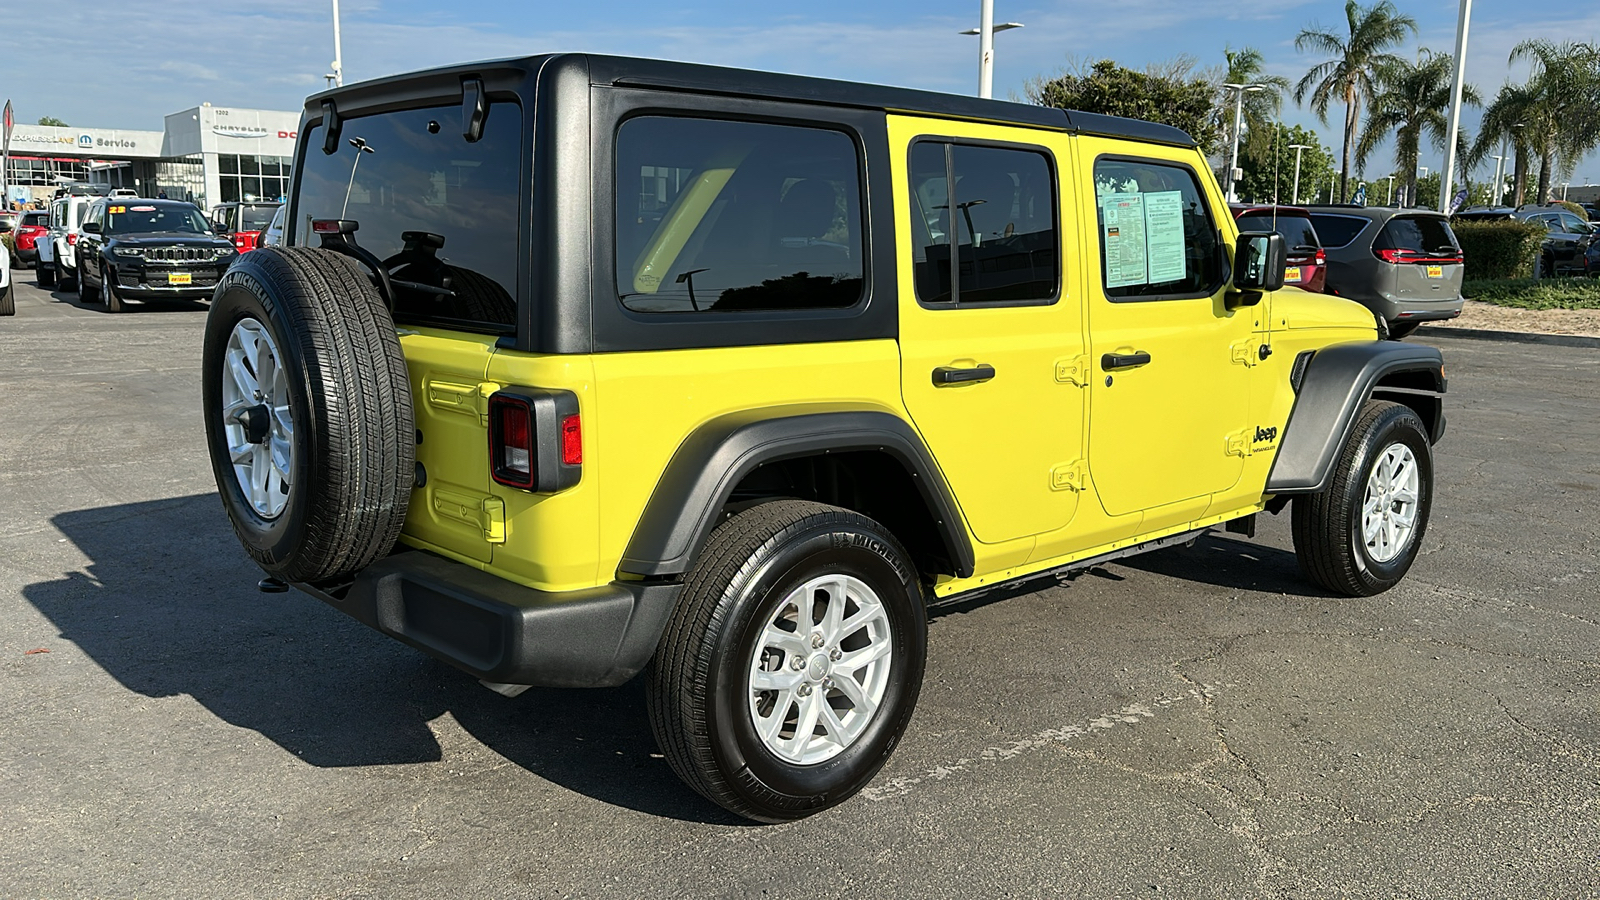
(1521, 337)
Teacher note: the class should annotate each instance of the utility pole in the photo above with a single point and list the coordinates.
(1445, 183)
(986, 31)
(1297, 148)
(1238, 123)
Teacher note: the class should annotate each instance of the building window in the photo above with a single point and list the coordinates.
(245, 177)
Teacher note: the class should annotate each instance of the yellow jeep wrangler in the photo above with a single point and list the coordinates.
(576, 367)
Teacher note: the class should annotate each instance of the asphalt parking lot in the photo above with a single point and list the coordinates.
(1199, 722)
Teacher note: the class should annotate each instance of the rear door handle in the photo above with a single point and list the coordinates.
(1113, 361)
(945, 376)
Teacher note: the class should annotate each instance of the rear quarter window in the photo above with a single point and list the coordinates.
(1338, 231)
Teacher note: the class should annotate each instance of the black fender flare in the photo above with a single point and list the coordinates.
(1334, 385)
(710, 463)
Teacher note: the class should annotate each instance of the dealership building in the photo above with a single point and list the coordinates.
(208, 154)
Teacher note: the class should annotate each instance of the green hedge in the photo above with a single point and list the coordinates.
(1573, 208)
(10, 240)
(1504, 249)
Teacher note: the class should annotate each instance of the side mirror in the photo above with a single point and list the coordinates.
(5, 226)
(90, 227)
(1258, 261)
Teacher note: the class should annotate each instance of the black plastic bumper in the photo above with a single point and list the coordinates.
(503, 632)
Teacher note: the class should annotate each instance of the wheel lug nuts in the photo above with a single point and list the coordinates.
(816, 641)
(835, 654)
(827, 684)
(804, 690)
(797, 663)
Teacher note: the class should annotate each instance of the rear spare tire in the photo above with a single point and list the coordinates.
(308, 413)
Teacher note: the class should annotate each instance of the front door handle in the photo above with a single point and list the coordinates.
(1112, 361)
(945, 376)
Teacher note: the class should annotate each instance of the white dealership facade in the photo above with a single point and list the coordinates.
(207, 154)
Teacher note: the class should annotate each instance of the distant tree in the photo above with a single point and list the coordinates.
(1565, 83)
(1350, 76)
(52, 120)
(1170, 94)
(1246, 66)
(1506, 122)
(1269, 167)
(1411, 99)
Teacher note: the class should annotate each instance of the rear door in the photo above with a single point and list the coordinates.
(403, 171)
(1170, 394)
(992, 366)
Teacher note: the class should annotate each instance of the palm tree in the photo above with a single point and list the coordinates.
(1564, 83)
(1506, 120)
(1411, 99)
(1247, 66)
(1349, 75)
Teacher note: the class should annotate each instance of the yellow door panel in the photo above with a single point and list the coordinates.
(1172, 370)
(1010, 442)
(449, 396)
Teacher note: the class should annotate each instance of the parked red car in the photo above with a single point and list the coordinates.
(34, 225)
(1307, 267)
(243, 222)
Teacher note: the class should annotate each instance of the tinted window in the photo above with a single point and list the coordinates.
(720, 215)
(416, 173)
(255, 218)
(143, 218)
(1296, 230)
(1337, 231)
(1423, 234)
(1002, 219)
(36, 218)
(1156, 234)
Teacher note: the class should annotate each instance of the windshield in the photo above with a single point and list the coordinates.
(412, 171)
(1296, 230)
(1419, 234)
(142, 219)
(36, 218)
(255, 218)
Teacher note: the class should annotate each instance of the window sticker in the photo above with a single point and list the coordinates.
(1122, 224)
(1163, 227)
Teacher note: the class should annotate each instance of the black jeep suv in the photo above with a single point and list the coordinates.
(137, 249)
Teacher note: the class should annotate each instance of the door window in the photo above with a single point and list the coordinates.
(997, 207)
(716, 216)
(1157, 239)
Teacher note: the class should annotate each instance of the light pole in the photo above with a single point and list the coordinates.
(985, 32)
(337, 75)
(1238, 122)
(1499, 165)
(1415, 200)
(1456, 82)
(1332, 180)
(1390, 200)
(1564, 191)
(1297, 148)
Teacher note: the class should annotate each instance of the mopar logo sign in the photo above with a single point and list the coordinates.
(86, 141)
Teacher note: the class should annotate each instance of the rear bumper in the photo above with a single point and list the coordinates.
(503, 632)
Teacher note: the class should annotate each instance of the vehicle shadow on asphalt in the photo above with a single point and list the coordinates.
(71, 299)
(168, 607)
(1230, 562)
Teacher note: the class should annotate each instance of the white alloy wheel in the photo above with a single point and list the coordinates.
(820, 669)
(255, 417)
(1389, 505)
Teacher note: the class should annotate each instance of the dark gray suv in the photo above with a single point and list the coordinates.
(1403, 264)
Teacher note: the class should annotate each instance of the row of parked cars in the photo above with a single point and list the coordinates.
(1406, 264)
(123, 249)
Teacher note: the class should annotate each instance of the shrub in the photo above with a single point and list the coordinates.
(1507, 249)
(10, 240)
(1573, 208)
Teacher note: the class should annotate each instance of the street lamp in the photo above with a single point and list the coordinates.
(1390, 201)
(985, 32)
(1297, 148)
(1415, 200)
(1238, 122)
(337, 75)
(1564, 191)
(1499, 166)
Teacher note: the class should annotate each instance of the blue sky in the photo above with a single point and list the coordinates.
(169, 55)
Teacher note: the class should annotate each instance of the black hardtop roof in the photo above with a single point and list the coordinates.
(1377, 213)
(654, 73)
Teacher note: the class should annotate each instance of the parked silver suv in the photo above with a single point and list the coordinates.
(1403, 264)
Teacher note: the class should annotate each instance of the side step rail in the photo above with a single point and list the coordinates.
(1071, 568)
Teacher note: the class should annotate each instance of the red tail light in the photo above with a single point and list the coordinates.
(535, 439)
(72, 238)
(1322, 257)
(1416, 257)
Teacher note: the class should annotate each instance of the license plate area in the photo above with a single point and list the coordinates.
(1291, 274)
(1436, 271)
(177, 278)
